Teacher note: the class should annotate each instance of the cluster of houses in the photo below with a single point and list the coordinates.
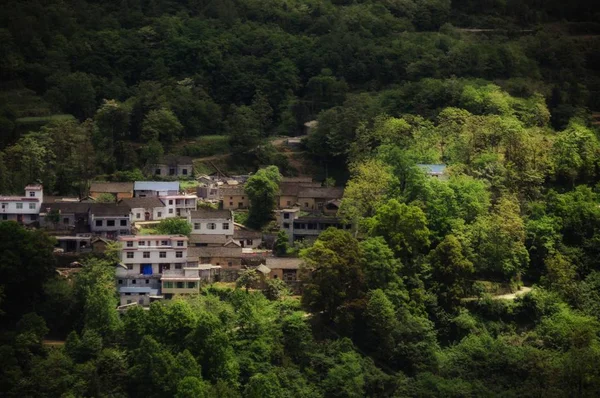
(153, 267)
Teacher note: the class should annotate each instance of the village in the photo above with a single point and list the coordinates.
(154, 266)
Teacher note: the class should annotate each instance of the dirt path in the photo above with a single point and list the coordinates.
(511, 296)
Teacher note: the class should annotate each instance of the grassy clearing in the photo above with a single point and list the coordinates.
(188, 184)
(148, 231)
(206, 145)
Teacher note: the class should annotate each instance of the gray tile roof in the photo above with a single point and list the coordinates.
(232, 252)
(146, 203)
(283, 263)
(109, 210)
(322, 193)
(244, 234)
(211, 214)
(111, 187)
(208, 239)
(65, 207)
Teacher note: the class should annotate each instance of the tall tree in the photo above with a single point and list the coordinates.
(262, 188)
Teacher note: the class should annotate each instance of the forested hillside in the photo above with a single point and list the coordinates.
(483, 283)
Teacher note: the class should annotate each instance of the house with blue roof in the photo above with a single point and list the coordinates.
(434, 170)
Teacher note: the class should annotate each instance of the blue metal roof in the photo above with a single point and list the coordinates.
(156, 186)
(433, 168)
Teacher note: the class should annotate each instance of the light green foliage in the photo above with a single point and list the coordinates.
(281, 245)
(276, 289)
(174, 226)
(261, 189)
(404, 228)
(498, 241)
(106, 197)
(247, 279)
(575, 153)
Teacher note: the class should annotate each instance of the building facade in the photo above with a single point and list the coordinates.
(121, 190)
(22, 209)
(110, 220)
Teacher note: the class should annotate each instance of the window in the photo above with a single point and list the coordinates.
(159, 214)
(130, 254)
(170, 211)
(286, 225)
(162, 254)
(138, 215)
(133, 282)
(157, 172)
(168, 285)
(225, 225)
(4, 206)
(231, 197)
(286, 215)
(179, 254)
(110, 223)
(242, 198)
(128, 301)
(32, 206)
(19, 205)
(164, 243)
(230, 203)
(33, 217)
(129, 266)
(289, 203)
(4, 217)
(170, 201)
(142, 243)
(146, 254)
(184, 172)
(305, 204)
(120, 281)
(147, 281)
(249, 241)
(32, 194)
(177, 266)
(172, 171)
(197, 225)
(123, 223)
(211, 225)
(180, 285)
(130, 243)
(230, 264)
(240, 204)
(98, 223)
(65, 220)
(191, 285)
(180, 243)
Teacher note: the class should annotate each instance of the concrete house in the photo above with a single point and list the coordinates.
(316, 198)
(211, 222)
(174, 166)
(121, 190)
(245, 238)
(226, 257)
(22, 209)
(71, 216)
(176, 203)
(144, 189)
(143, 260)
(309, 227)
(110, 220)
(188, 279)
(146, 209)
(233, 197)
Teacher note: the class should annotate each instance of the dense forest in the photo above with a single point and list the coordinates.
(411, 301)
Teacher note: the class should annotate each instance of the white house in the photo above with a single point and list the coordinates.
(179, 205)
(143, 189)
(146, 209)
(143, 260)
(23, 209)
(212, 222)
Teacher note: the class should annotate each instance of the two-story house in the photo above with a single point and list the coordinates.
(71, 216)
(301, 227)
(144, 189)
(174, 166)
(233, 197)
(212, 222)
(143, 260)
(176, 204)
(146, 209)
(22, 209)
(110, 220)
(120, 190)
